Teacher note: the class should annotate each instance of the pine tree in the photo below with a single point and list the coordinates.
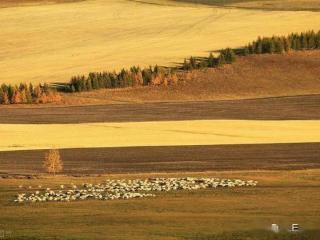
(221, 59)
(10, 91)
(311, 40)
(258, 46)
(211, 60)
(303, 41)
(28, 96)
(286, 44)
(185, 65)
(278, 46)
(88, 84)
(193, 63)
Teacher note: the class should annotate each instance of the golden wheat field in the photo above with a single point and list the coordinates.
(166, 133)
(52, 42)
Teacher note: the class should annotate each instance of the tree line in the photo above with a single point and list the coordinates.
(294, 41)
(135, 76)
(226, 56)
(14, 94)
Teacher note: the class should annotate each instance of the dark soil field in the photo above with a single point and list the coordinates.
(168, 159)
(277, 108)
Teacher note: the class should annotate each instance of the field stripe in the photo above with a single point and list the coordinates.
(164, 133)
(168, 159)
(274, 108)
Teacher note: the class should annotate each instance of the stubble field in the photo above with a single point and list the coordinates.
(52, 42)
(160, 133)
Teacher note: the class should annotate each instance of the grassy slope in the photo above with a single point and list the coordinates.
(296, 73)
(282, 197)
(55, 41)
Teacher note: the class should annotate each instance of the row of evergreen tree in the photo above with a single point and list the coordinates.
(24, 93)
(135, 76)
(294, 41)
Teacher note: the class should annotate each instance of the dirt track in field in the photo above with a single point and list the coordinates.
(169, 159)
(279, 108)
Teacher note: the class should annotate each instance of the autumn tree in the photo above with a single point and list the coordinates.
(52, 162)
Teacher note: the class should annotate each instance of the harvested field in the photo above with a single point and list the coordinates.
(283, 197)
(278, 108)
(162, 133)
(20, 3)
(52, 42)
(168, 159)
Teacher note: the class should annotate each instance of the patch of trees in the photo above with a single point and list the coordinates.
(133, 77)
(24, 93)
(226, 56)
(295, 41)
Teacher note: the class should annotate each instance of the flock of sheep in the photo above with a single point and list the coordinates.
(127, 189)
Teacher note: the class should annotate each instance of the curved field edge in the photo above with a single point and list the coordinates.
(131, 36)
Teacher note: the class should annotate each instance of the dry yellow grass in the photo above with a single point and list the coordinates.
(53, 42)
(172, 133)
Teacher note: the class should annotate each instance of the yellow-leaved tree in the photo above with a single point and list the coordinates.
(52, 162)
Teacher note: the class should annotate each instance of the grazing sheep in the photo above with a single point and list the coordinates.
(128, 189)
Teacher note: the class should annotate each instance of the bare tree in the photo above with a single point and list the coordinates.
(52, 162)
